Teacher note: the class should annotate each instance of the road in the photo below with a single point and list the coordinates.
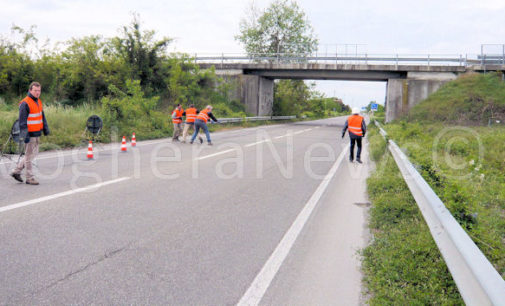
(273, 215)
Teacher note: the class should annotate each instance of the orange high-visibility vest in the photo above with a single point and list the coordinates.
(34, 121)
(203, 115)
(354, 125)
(190, 115)
(178, 115)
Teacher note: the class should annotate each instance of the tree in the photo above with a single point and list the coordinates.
(290, 97)
(282, 28)
(143, 55)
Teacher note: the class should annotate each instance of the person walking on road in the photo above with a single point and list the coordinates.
(177, 121)
(357, 129)
(32, 123)
(201, 123)
(190, 114)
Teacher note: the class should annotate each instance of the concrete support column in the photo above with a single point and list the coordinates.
(404, 94)
(257, 93)
(396, 100)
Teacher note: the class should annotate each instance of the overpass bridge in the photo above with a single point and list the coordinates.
(410, 79)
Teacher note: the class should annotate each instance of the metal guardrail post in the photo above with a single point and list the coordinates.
(477, 280)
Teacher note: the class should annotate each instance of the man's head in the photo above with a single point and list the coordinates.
(35, 89)
(355, 111)
(191, 105)
(209, 107)
(178, 106)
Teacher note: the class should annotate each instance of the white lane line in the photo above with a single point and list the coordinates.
(61, 194)
(262, 281)
(279, 137)
(256, 143)
(215, 154)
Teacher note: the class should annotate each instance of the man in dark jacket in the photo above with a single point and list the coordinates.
(357, 130)
(32, 123)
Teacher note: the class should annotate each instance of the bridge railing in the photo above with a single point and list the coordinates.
(477, 280)
(367, 59)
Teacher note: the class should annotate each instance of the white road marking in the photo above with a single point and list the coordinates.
(61, 194)
(215, 154)
(256, 143)
(262, 281)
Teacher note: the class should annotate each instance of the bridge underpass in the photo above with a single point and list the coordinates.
(407, 84)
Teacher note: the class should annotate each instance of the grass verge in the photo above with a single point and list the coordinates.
(402, 265)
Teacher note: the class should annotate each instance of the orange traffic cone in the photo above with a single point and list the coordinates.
(90, 150)
(123, 144)
(134, 140)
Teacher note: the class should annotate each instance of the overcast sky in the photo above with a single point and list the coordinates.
(380, 27)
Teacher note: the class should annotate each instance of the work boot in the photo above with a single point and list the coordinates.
(17, 177)
(210, 143)
(350, 159)
(201, 139)
(184, 141)
(32, 181)
(359, 160)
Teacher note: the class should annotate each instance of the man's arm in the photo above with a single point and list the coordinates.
(212, 117)
(345, 129)
(363, 127)
(24, 110)
(46, 126)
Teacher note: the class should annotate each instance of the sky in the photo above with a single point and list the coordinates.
(379, 27)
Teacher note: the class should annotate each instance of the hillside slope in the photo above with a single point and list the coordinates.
(469, 100)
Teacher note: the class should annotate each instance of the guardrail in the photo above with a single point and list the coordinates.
(260, 118)
(477, 280)
(396, 59)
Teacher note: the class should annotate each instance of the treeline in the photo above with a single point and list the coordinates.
(84, 70)
(295, 97)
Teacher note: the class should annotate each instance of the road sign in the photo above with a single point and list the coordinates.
(374, 107)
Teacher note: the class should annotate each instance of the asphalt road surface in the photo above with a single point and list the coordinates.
(271, 215)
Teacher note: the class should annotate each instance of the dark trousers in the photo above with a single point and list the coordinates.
(358, 154)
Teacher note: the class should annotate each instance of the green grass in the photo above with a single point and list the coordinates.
(469, 100)
(402, 265)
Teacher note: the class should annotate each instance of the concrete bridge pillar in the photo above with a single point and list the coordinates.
(257, 93)
(403, 94)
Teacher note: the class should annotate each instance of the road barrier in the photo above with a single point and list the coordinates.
(261, 118)
(477, 280)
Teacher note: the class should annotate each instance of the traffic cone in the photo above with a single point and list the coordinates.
(90, 150)
(134, 140)
(123, 144)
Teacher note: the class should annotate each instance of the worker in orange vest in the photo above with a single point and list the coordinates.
(190, 114)
(357, 129)
(177, 121)
(32, 123)
(201, 123)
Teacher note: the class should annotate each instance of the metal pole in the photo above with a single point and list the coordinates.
(503, 54)
(396, 59)
(460, 59)
(428, 60)
(481, 54)
(336, 55)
